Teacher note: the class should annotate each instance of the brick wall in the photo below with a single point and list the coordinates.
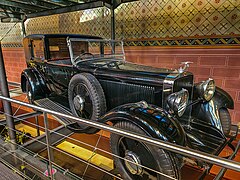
(14, 60)
(221, 64)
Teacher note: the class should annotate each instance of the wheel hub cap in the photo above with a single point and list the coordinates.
(78, 102)
(133, 167)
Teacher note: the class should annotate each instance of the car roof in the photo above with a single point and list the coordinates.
(40, 36)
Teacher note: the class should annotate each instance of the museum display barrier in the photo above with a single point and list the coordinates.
(24, 152)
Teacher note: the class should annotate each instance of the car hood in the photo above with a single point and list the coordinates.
(123, 70)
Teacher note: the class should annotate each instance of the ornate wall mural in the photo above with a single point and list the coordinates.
(147, 23)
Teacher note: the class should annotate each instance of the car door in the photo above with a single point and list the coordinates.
(58, 75)
(58, 66)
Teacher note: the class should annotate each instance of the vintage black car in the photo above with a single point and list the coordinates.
(90, 76)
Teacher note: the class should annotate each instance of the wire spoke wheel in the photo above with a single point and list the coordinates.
(86, 97)
(137, 160)
(83, 104)
(140, 156)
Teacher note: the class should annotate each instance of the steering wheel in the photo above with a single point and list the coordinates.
(86, 54)
(112, 64)
(81, 56)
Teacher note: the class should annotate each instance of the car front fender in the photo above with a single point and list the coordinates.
(209, 111)
(38, 86)
(223, 99)
(153, 120)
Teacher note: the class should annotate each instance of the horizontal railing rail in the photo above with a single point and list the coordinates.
(212, 159)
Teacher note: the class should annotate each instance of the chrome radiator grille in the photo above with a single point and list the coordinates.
(118, 93)
(185, 82)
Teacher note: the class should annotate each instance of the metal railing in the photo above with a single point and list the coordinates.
(212, 159)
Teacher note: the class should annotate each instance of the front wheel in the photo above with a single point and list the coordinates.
(225, 120)
(86, 97)
(149, 162)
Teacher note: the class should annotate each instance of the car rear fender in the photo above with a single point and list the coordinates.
(153, 120)
(38, 86)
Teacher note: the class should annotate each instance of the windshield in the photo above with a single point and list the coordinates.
(95, 49)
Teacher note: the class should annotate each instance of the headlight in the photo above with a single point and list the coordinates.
(178, 101)
(206, 89)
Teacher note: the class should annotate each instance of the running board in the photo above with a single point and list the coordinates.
(38, 144)
(49, 104)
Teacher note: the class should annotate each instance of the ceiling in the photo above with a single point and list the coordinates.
(17, 10)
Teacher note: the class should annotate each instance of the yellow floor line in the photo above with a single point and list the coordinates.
(82, 153)
(85, 154)
(28, 129)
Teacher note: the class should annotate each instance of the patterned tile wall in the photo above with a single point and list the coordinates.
(10, 32)
(93, 22)
(178, 18)
(43, 25)
(147, 23)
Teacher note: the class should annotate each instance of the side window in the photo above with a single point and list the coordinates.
(37, 49)
(58, 48)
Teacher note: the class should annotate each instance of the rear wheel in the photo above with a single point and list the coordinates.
(225, 120)
(147, 160)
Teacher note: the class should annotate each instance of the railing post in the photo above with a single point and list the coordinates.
(37, 125)
(50, 153)
(7, 105)
(113, 26)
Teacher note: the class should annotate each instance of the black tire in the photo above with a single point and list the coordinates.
(225, 120)
(85, 87)
(149, 156)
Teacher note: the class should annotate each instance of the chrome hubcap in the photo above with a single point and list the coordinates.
(132, 162)
(78, 102)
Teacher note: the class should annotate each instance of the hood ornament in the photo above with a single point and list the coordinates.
(184, 68)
